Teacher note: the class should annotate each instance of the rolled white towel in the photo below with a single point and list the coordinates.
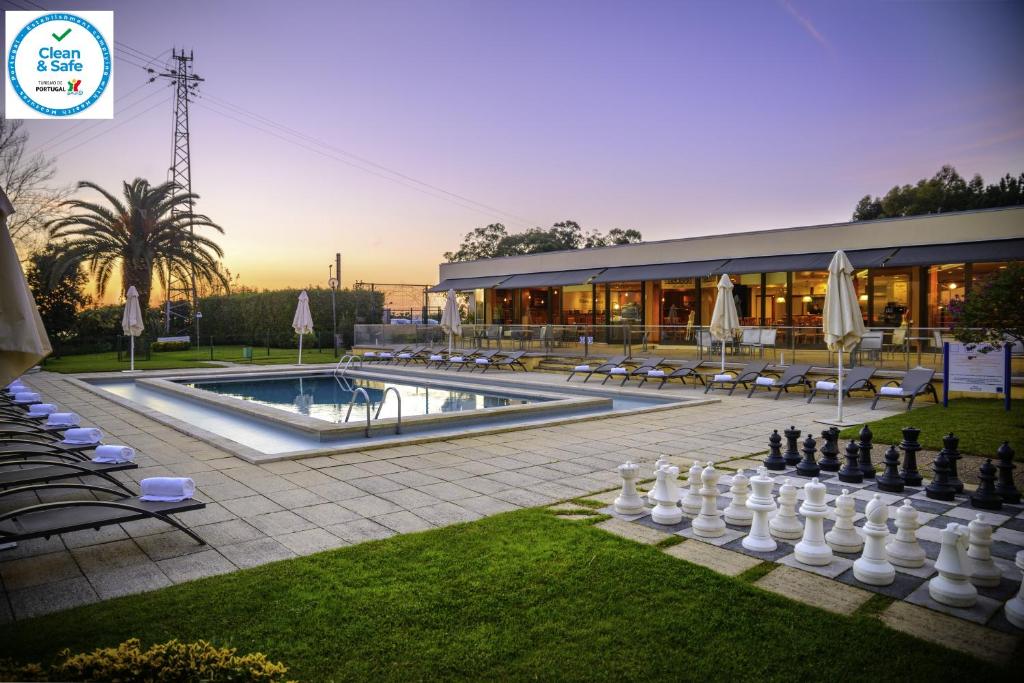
(765, 381)
(581, 368)
(655, 373)
(891, 391)
(457, 359)
(82, 436)
(370, 354)
(385, 354)
(723, 378)
(167, 489)
(63, 420)
(825, 386)
(405, 355)
(113, 454)
(15, 387)
(26, 397)
(41, 409)
(436, 357)
(618, 371)
(482, 361)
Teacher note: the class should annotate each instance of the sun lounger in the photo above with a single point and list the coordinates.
(19, 445)
(612, 362)
(685, 369)
(641, 370)
(856, 379)
(730, 379)
(510, 360)
(461, 359)
(405, 357)
(621, 370)
(53, 467)
(792, 376)
(916, 382)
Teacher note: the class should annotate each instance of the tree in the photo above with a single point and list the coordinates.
(943, 192)
(479, 244)
(26, 179)
(494, 240)
(138, 234)
(59, 298)
(994, 311)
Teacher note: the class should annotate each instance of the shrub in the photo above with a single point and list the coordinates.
(170, 661)
(170, 346)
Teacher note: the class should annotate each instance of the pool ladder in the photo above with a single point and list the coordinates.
(366, 399)
(344, 364)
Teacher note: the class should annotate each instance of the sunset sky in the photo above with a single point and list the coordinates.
(675, 118)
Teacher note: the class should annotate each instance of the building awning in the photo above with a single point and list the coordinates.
(859, 258)
(462, 284)
(556, 278)
(964, 252)
(660, 271)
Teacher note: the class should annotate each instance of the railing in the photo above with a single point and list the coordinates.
(345, 363)
(380, 406)
(366, 399)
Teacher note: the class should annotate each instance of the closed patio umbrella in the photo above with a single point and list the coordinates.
(131, 321)
(841, 319)
(23, 340)
(302, 323)
(451, 322)
(725, 321)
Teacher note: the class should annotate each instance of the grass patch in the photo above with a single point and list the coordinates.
(512, 597)
(982, 425)
(875, 604)
(756, 572)
(198, 357)
(669, 542)
(589, 503)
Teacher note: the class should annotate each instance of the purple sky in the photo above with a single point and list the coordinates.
(675, 118)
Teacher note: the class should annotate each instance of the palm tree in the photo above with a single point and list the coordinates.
(147, 229)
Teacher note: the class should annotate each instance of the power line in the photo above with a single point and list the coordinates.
(115, 126)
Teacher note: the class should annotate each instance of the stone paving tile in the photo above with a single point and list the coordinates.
(410, 499)
(51, 597)
(948, 631)
(277, 523)
(360, 530)
(448, 491)
(33, 571)
(813, 589)
(295, 498)
(105, 534)
(168, 544)
(523, 498)
(310, 541)
(228, 532)
(722, 561)
(446, 513)
(337, 490)
(403, 522)
(251, 506)
(369, 506)
(486, 505)
(327, 514)
(256, 552)
(376, 485)
(136, 578)
(634, 532)
(108, 556)
(196, 566)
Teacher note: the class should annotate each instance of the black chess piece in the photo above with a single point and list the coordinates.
(951, 444)
(808, 467)
(910, 446)
(850, 473)
(890, 479)
(1005, 486)
(940, 487)
(830, 450)
(792, 454)
(866, 466)
(986, 498)
(775, 461)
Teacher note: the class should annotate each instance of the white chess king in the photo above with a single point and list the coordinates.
(761, 504)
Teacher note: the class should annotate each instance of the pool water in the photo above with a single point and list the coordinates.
(328, 398)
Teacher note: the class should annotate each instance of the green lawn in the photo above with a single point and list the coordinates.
(981, 424)
(193, 358)
(519, 596)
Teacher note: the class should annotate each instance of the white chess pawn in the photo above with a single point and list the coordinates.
(662, 460)
(984, 571)
(709, 522)
(812, 548)
(904, 550)
(629, 501)
(761, 504)
(951, 586)
(737, 512)
(1015, 605)
(692, 500)
(785, 524)
(872, 567)
(843, 538)
(667, 509)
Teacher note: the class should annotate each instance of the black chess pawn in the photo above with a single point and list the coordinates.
(830, 450)
(890, 479)
(986, 498)
(951, 444)
(864, 460)
(940, 487)
(792, 454)
(808, 467)
(1005, 486)
(850, 473)
(910, 446)
(775, 461)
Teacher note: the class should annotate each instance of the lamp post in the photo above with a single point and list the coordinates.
(333, 283)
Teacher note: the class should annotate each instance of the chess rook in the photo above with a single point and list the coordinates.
(792, 454)
(761, 505)
(785, 524)
(629, 501)
(812, 548)
(951, 586)
(843, 538)
(873, 566)
(708, 523)
(904, 550)
(737, 513)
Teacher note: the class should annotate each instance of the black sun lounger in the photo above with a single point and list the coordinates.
(22, 444)
(792, 376)
(642, 369)
(916, 382)
(857, 378)
(51, 467)
(687, 368)
(511, 360)
(612, 362)
(748, 374)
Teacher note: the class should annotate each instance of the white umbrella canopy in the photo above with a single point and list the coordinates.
(302, 323)
(725, 321)
(131, 321)
(23, 340)
(841, 319)
(451, 321)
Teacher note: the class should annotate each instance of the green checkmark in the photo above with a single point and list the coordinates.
(61, 36)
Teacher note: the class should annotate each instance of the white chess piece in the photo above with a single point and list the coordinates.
(872, 567)
(667, 509)
(761, 504)
(737, 512)
(951, 586)
(662, 460)
(984, 571)
(1015, 605)
(843, 538)
(629, 501)
(692, 500)
(709, 522)
(812, 548)
(785, 524)
(904, 550)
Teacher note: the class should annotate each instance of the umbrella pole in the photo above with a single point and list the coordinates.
(300, 348)
(132, 366)
(839, 385)
(722, 342)
(450, 343)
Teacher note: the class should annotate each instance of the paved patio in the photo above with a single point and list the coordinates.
(262, 513)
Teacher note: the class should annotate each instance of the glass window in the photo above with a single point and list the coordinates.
(946, 285)
(577, 304)
(534, 305)
(503, 308)
(678, 308)
(746, 290)
(708, 292)
(626, 299)
(893, 297)
(601, 305)
(775, 299)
